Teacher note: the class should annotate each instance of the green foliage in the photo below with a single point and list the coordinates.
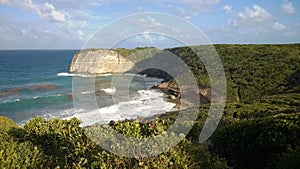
(14, 151)
(6, 124)
(260, 127)
(290, 159)
(194, 63)
(14, 154)
(252, 71)
(184, 155)
(257, 110)
(141, 130)
(126, 52)
(260, 70)
(63, 141)
(257, 143)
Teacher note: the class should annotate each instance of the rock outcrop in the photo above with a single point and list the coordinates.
(104, 61)
(174, 92)
(99, 61)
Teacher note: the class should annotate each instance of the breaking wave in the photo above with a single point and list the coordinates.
(146, 104)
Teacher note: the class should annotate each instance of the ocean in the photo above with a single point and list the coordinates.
(37, 83)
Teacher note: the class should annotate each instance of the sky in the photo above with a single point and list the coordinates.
(70, 24)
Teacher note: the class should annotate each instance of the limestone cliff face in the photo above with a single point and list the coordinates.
(100, 61)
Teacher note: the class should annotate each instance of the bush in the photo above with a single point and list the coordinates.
(255, 143)
(290, 160)
(14, 151)
(184, 155)
(14, 154)
(6, 124)
(63, 142)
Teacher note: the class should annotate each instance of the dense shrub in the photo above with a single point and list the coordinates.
(252, 71)
(6, 124)
(63, 142)
(257, 143)
(14, 154)
(290, 160)
(184, 155)
(263, 79)
(280, 104)
(14, 151)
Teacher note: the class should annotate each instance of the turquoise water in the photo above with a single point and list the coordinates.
(29, 85)
(36, 83)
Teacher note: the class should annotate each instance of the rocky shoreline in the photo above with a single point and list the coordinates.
(173, 92)
(101, 61)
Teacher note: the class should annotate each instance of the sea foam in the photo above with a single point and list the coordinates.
(147, 104)
(71, 74)
(109, 90)
(80, 75)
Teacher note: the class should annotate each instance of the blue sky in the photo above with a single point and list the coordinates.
(69, 24)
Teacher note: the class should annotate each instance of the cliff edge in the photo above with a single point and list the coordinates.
(99, 61)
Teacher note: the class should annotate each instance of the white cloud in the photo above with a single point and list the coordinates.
(290, 33)
(79, 4)
(227, 8)
(278, 26)
(82, 14)
(49, 11)
(200, 5)
(147, 38)
(260, 31)
(288, 7)
(189, 8)
(254, 17)
(71, 26)
(22, 34)
(45, 10)
(150, 22)
(232, 23)
(146, 35)
(256, 14)
(5, 2)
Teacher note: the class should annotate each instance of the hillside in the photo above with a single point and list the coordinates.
(259, 129)
(252, 71)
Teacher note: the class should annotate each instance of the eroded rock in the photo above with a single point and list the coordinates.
(99, 61)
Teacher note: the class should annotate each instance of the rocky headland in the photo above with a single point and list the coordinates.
(99, 61)
(108, 61)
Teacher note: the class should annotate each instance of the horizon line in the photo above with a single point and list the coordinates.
(292, 43)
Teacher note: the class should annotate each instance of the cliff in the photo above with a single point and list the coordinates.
(99, 61)
(103, 61)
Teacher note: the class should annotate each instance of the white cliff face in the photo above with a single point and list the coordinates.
(100, 61)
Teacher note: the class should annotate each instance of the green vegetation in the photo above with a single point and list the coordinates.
(58, 143)
(257, 143)
(252, 71)
(260, 127)
(15, 151)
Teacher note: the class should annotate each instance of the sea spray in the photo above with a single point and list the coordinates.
(147, 104)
